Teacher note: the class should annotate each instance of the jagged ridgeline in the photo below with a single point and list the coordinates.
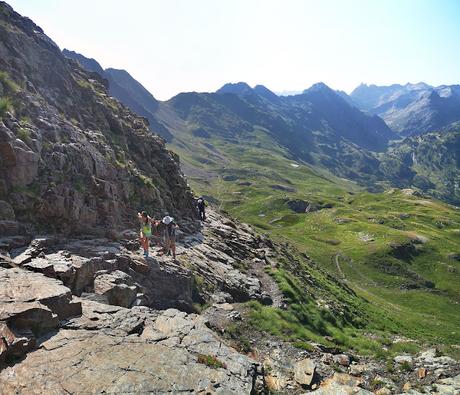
(71, 156)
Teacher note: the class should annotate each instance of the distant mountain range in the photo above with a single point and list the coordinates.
(326, 129)
(411, 109)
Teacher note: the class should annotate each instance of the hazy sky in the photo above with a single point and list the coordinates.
(172, 46)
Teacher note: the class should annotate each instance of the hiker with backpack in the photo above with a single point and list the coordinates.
(170, 228)
(146, 231)
(201, 205)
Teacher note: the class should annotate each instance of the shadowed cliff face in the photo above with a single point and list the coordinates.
(71, 157)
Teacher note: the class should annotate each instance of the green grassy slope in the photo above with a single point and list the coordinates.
(398, 251)
(430, 162)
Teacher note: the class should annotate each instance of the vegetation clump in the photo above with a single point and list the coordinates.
(211, 361)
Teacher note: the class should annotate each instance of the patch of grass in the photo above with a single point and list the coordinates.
(147, 181)
(9, 85)
(405, 367)
(211, 361)
(234, 332)
(376, 384)
(404, 348)
(5, 105)
(303, 345)
(24, 134)
(46, 145)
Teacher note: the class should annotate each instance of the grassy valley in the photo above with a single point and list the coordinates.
(397, 249)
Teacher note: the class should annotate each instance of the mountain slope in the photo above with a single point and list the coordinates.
(126, 89)
(71, 157)
(430, 162)
(318, 126)
(411, 109)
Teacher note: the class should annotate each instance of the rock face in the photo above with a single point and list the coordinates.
(72, 157)
(31, 305)
(111, 349)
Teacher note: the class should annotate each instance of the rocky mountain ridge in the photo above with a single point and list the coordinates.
(123, 87)
(411, 109)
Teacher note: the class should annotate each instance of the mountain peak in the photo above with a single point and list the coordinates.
(318, 87)
(238, 88)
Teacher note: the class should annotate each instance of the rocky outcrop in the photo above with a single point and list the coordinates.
(342, 384)
(108, 269)
(116, 287)
(303, 206)
(31, 305)
(111, 349)
(73, 158)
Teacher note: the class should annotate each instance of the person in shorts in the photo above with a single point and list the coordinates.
(170, 228)
(145, 232)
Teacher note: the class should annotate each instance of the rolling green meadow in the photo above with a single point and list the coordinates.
(398, 251)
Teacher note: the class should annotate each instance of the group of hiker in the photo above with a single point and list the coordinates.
(152, 229)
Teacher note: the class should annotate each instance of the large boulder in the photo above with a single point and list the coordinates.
(342, 384)
(304, 371)
(117, 287)
(31, 305)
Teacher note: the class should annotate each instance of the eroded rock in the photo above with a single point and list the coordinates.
(304, 371)
(157, 353)
(31, 305)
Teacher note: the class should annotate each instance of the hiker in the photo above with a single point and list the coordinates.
(170, 228)
(145, 231)
(201, 205)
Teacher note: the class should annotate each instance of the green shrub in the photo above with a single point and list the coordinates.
(405, 366)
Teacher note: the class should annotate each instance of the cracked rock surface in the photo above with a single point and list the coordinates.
(112, 349)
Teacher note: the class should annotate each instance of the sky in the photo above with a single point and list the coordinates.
(174, 46)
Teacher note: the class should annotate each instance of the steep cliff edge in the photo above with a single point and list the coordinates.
(71, 157)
